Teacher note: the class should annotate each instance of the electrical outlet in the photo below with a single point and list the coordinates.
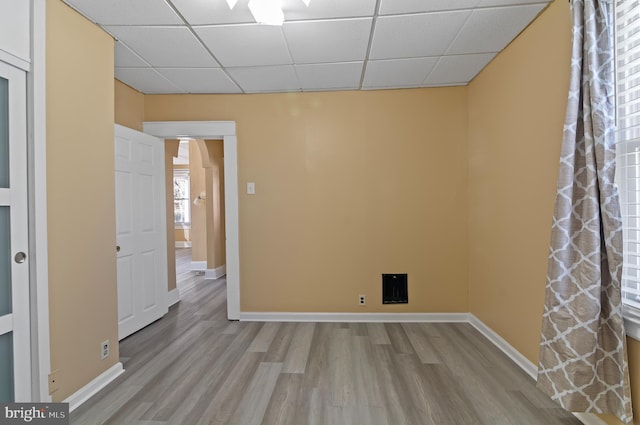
(361, 300)
(104, 349)
(53, 381)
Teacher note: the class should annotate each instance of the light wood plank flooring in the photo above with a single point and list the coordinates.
(185, 278)
(195, 367)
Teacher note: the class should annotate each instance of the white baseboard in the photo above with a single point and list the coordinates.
(101, 381)
(198, 266)
(524, 363)
(173, 297)
(589, 418)
(216, 273)
(183, 244)
(354, 317)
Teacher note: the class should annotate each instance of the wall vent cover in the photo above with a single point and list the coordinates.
(394, 289)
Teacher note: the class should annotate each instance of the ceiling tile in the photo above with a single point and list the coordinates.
(458, 69)
(328, 41)
(488, 3)
(330, 76)
(266, 78)
(176, 46)
(127, 12)
(417, 35)
(169, 47)
(246, 45)
(397, 72)
(397, 7)
(490, 30)
(146, 80)
(124, 57)
(210, 12)
(327, 9)
(200, 80)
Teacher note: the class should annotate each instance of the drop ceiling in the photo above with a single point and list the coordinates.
(202, 46)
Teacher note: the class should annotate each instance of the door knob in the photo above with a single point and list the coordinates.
(20, 257)
(117, 248)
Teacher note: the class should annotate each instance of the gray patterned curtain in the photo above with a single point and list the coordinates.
(583, 355)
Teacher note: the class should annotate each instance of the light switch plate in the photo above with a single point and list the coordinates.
(251, 188)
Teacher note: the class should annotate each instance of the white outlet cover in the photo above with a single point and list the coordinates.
(104, 349)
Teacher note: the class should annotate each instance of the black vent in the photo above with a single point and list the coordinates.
(394, 289)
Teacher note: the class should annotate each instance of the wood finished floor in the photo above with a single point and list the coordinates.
(195, 367)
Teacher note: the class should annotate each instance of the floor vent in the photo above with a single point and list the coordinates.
(394, 289)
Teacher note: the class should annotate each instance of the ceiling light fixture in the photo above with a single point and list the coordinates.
(268, 12)
(231, 3)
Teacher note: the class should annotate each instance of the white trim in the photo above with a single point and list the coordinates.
(216, 130)
(632, 323)
(37, 138)
(232, 226)
(183, 244)
(173, 297)
(589, 418)
(524, 363)
(6, 323)
(198, 266)
(191, 129)
(85, 393)
(216, 273)
(356, 317)
(13, 60)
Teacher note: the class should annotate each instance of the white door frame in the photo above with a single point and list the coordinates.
(225, 130)
(38, 240)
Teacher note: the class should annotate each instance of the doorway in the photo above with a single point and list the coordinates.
(198, 211)
(225, 131)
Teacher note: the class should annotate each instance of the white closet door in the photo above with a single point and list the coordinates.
(15, 368)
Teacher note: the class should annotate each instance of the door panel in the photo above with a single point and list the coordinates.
(15, 372)
(140, 230)
(5, 262)
(6, 367)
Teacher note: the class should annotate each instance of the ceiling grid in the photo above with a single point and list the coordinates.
(203, 46)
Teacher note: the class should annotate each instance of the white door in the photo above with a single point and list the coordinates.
(15, 368)
(140, 230)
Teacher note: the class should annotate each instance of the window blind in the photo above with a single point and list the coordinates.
(627, 42)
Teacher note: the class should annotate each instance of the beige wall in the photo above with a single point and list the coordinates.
(129, 106)
(516, 114)
(349, 185)
(214, 183)
(80, 193)
(318, 230)
(182, 235)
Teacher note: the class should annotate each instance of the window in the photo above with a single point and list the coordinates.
(181, 199)
(627, 45)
